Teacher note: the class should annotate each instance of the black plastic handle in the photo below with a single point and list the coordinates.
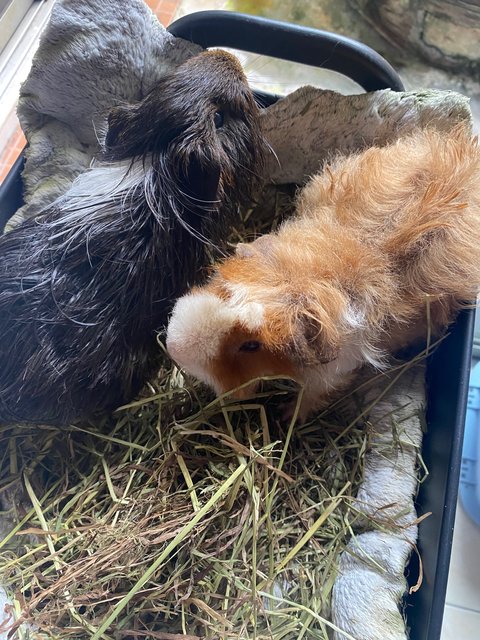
(289, 42)
(11, 192)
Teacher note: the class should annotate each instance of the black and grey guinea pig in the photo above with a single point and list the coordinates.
(86, 284)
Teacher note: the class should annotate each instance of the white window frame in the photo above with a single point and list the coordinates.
(20, 27)
(11, 18)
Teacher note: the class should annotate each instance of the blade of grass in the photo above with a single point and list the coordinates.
(168, 549)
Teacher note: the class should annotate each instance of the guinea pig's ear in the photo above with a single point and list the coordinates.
(316, 324)
(244, 250)
(261, 246)
(116, 121)
(315, 344)
(125, 134)
(200, 176)
(137, 129)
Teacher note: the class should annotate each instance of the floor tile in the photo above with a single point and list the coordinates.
(460, 624)
(464, 576)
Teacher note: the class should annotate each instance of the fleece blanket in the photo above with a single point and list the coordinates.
(371, 583)
(94, 55)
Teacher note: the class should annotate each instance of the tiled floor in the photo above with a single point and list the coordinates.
(462, 611)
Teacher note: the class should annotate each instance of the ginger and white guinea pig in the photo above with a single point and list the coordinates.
(384, 248)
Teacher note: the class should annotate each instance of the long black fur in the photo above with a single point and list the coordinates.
(84, 289)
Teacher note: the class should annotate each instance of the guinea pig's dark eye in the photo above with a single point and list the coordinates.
(218, 119)
(250, 346)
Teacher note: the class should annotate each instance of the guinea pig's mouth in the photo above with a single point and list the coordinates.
(245, 392)
(265, 386)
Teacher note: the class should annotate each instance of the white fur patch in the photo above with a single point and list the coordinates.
(249, 314)
(198, 323)
(356, 352)
(322, 379)
(196, 326)
(108, 178)
(360, 349)
(374, 356)
(102, 187)
(354, 318)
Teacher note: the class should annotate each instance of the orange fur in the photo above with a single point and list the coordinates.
(377, 237)
(233, 365)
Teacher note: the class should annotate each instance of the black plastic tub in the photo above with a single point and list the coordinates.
(448, 368)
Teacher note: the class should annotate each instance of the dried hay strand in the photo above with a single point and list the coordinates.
(183, 517)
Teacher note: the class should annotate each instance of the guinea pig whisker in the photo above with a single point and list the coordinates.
(60, 309)
(100, 138)
(194, 232)
(192, 198)
(248, 170)
(87, 247)
(251, 61)
(272, 151)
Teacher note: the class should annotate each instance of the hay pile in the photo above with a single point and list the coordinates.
(183, 517)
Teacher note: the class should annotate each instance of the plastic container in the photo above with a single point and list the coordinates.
(448, 368)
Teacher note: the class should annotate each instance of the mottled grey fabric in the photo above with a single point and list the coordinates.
(92, 56)
(310, 125)
(371, 582)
